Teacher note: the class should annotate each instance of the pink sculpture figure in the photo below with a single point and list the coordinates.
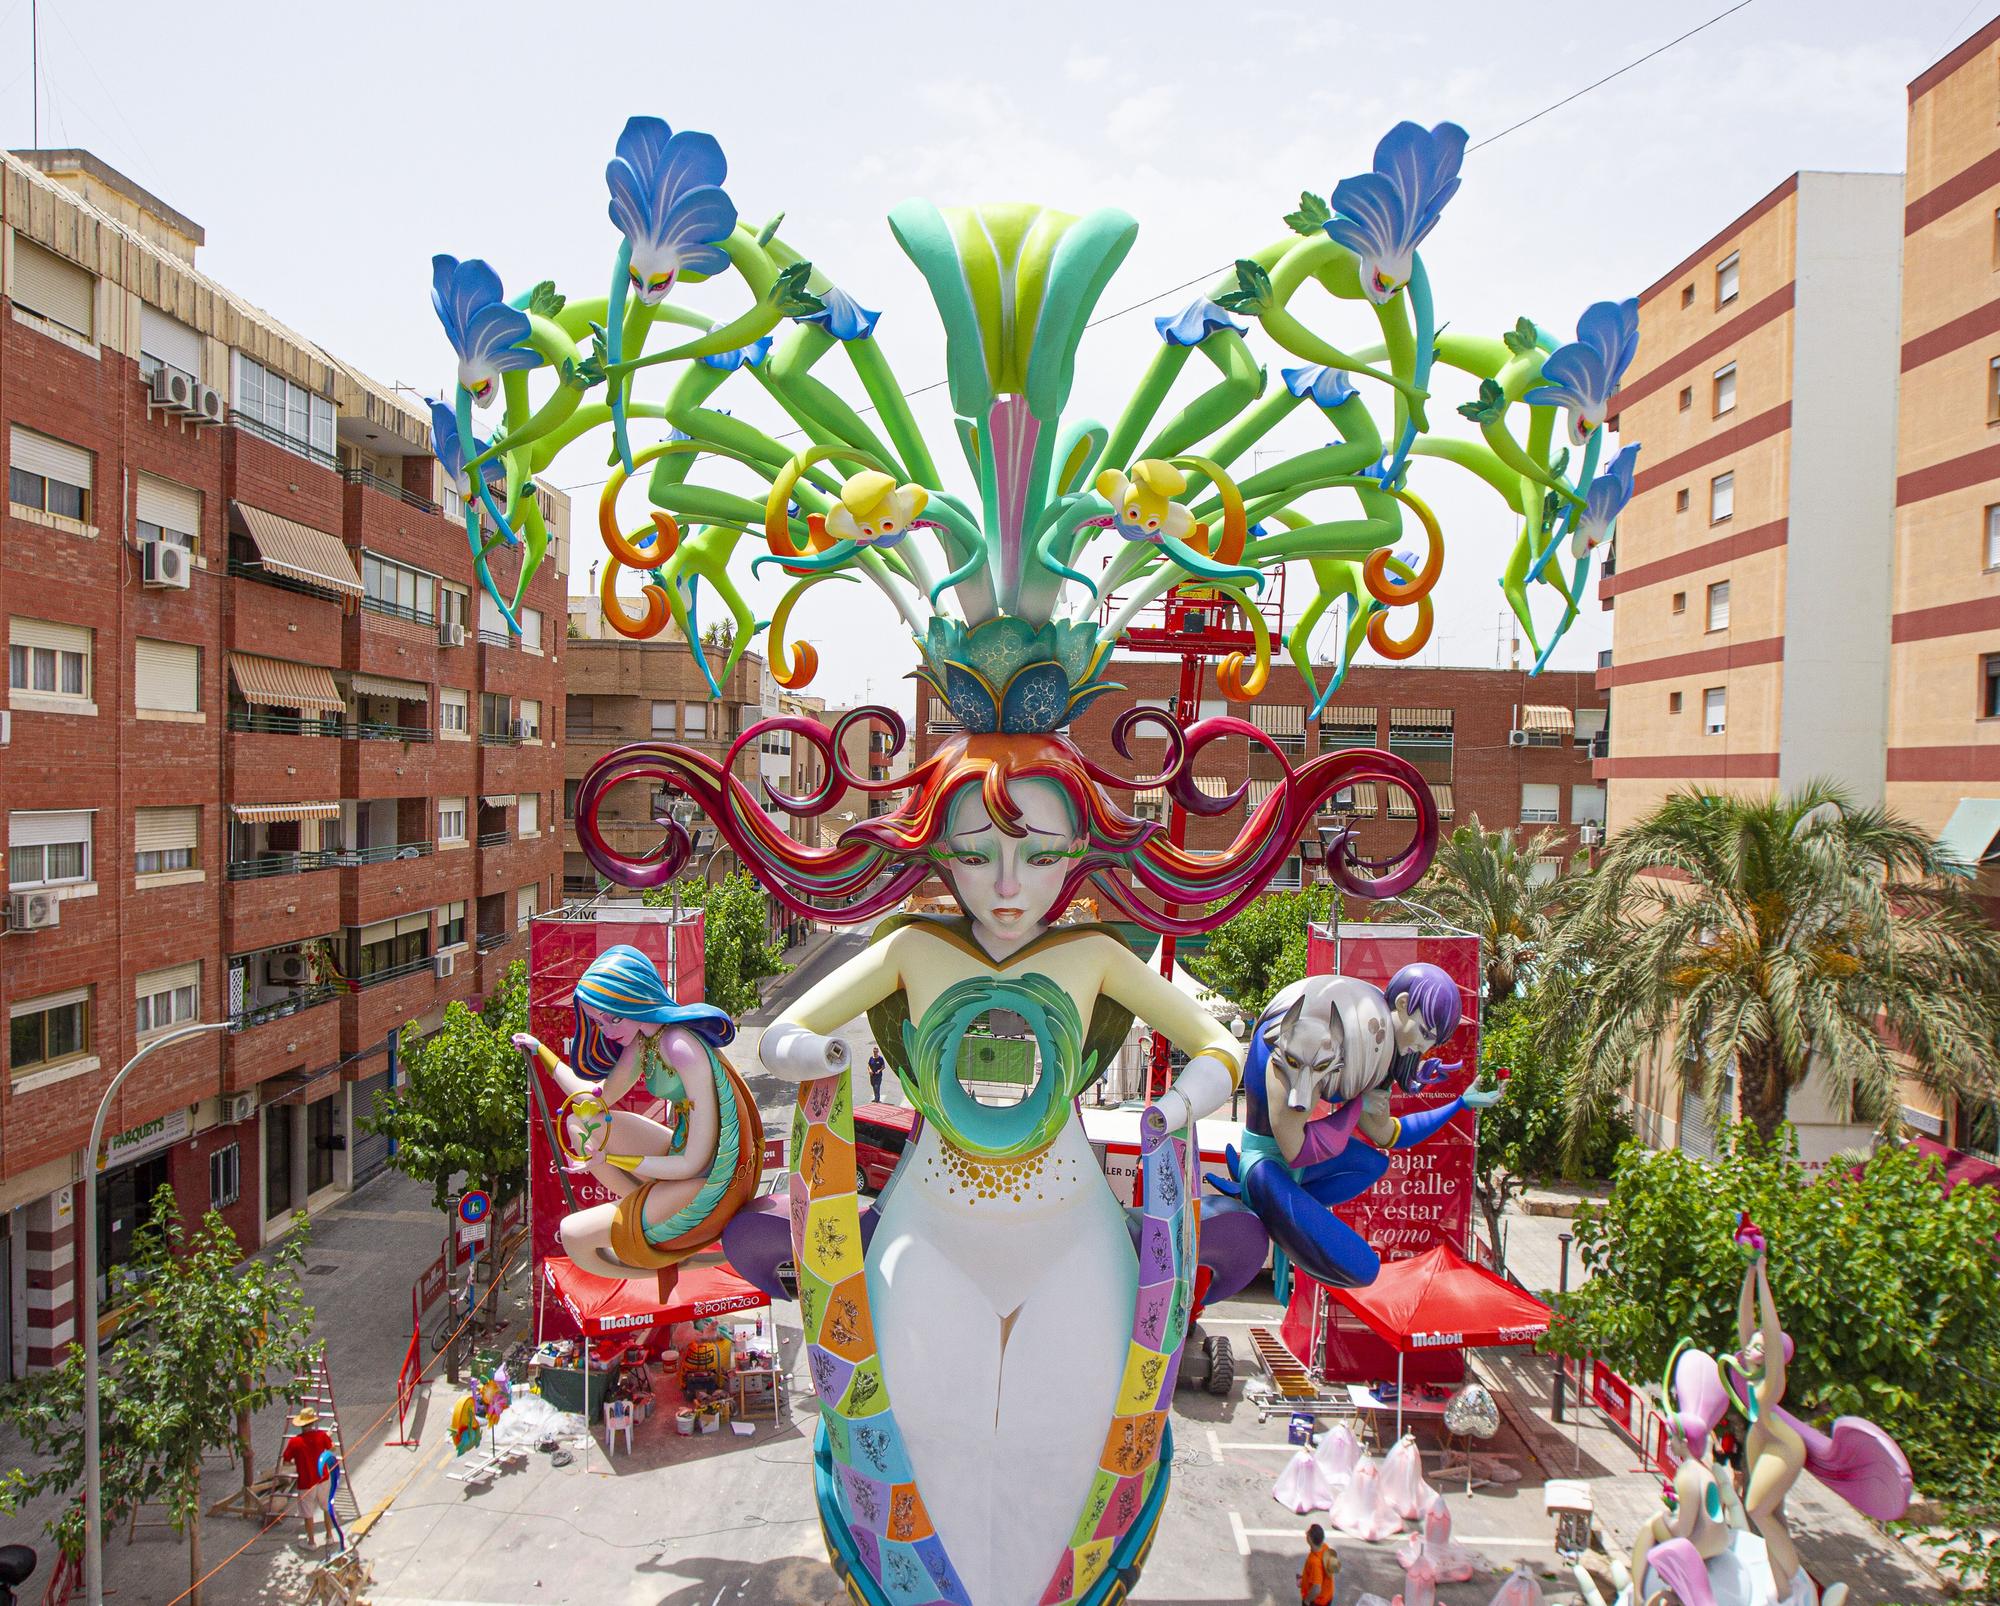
(1420, 1580)
(1519, 1588)
(1300, 1488)
(1451, 1561)
(1404, 1491)
(1337, 1454)
(1360, 1510)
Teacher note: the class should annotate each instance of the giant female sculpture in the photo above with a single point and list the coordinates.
(994, 1348)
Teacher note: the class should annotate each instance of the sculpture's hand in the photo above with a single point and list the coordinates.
(527, 1042)
(791, 1052)
(1483, 1099)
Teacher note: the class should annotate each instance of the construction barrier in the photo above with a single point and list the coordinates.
(406, 1384)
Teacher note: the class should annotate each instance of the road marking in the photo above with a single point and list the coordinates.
(1220, 1445)
(1492, 1541)
(1242, 1534)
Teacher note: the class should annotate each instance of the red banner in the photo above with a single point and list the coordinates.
(560, 949)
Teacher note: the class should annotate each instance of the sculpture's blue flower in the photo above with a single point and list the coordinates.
(1328, 387)
(729, 361)
(1582, 375)
(841, 316)
(486, 333)
(1603, 502)
(1383, 216)
(449, 450)
(1195, 322)
(667, 200)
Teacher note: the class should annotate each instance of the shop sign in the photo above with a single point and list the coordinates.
(162, 1132)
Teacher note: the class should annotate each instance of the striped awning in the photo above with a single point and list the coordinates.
(1356, 799)
(403, 691)
(1547, 721)
(1349, 719)
(280, 683)
(1424, 719)
(1441, 796)
(1401, 805)
(277, 813)
(1211, 786)
(297, 550)
(500, 800)
(1259, 790)
(1153, 794)
(1279, 719)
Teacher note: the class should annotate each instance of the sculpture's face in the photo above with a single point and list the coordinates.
(1008, 885)
(1751, 1356)
(621, 1030)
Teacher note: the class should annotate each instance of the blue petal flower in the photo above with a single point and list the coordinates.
(1195, 322)
(667, 200)
(486, 333)
(1603, 502)
(1583, 374)
(450, 451)
(729, 361)
(1383, 216)
(1328, 387)
(841, 316)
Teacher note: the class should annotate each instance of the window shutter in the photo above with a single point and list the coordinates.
(44, 633)
(531, 627)
(529, 817)
(405, 924)
(39, 829)
(56, 288)
(527, 896)
(170, 506)
(43, 454)
(167, 676)
(170, 340)
(381, 931)
(491, 619)
(165, 981)
(162, 830)
(35, 1006)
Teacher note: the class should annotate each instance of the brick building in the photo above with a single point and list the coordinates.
(263, 761)
(1511, 748)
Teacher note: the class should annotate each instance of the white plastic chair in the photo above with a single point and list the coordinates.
(617, 1420)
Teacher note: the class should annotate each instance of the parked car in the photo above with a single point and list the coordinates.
(881, 1133)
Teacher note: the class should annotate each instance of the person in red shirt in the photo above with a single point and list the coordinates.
(1322, 1569)
(302, 1452)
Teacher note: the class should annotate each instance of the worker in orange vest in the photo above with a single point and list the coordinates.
(1322, 1569)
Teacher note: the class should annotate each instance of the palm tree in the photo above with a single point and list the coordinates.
(1780, 937)
(1481, 881)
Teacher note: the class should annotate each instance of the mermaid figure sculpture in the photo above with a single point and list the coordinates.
(1340, 1040)
(676, 1185)
(1682, 1541)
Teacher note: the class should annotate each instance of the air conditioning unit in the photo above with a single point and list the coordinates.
(444, 964)
(238, 1107)
(287, 970)
(33, 911)
(522, 730)
(175, 391)
(165, 565)
(451, 633)
(1590, 835)
(1517, 738)
(209, 405)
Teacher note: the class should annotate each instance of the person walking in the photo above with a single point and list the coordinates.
(1321, 1571)
(301, 1453)
(876, 1066)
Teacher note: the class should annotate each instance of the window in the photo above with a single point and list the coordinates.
(48, 475)
(48, 660)
(1996, 239)
(1687, 295)
(524, 906)
(697, 722)
(166, 342)
(1725, 389)
(1543, 871)
(1989, 686)
(1541, 803)
(454, 603)
(1424, 737)
(1718, 605)
(165, 840)
(1714, 710)
(1586, 805)
(166, 676)
(280, 1193)
(392, 947)
(282, 411)
(1992, 393)
(531, 628)
(48, 849)
(1680, 602)
(570, 789)
(1726, 280)
(1681, 500)
(451, 711)
(54, 289)
(665, 718)
(43, 1031)
(1993, 536)
(451, 926)
(1591, 723)
(528, 814)
(451, 819)
(324, 1140)
(168, 998)
(496, 714)
(168, 512)
(1721, 497)
(397, 589)
(1673, 702)
(531, 719)
(225, 1176)
(1687, 397)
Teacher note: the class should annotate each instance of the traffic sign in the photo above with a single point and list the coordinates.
(473, 1206)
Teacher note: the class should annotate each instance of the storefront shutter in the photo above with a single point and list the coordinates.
(162, 830)
(167, 676)
(49, 457)
(55, 287)
(371, 1149)
(170, 506)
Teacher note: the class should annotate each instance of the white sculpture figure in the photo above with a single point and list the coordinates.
(1452, 1562)
(1403, 1488)
(1360, 1510)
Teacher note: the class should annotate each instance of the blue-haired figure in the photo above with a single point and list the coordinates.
(1424, 1003)
(674, 1184)
(1337, 1040)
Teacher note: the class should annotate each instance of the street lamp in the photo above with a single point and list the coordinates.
(93, 1495)
(1562, 1287)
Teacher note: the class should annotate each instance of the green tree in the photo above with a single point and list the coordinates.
(737, 951)
(1262, 948)
(1782, 936)
(215, 1337)
(1484, 883)
(1523, 1138)
(1884, 1282)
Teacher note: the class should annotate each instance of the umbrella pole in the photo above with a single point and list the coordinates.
(1399, 1396)
(588, 1426)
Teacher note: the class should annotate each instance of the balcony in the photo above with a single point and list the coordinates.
(504, 738)
(490, 940)
(276, 910)
(268, 724)
(383, 853)
(389, 973)
(495, 839)
(397, 610)
(384, 1001)
(307, 997)
(409, 498)
(265, 865)
(271, 1040)
(502, 639)
(277, 437)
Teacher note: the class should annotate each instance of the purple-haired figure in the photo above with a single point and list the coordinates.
(1424, 1003)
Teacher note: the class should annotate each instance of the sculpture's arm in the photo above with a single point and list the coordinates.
(797, 1047)
(1215, 1059)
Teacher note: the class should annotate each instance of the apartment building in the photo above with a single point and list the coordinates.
(1510, 748)
(1764, 397)
(264, 760)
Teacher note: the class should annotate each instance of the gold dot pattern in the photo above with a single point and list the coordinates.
(977, 1178)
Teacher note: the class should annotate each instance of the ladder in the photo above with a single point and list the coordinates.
(317, 1391)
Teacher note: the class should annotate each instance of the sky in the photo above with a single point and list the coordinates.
(328, 160)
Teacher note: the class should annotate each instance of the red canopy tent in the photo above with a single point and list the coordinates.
(604, 1306)
(1438, 1299)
